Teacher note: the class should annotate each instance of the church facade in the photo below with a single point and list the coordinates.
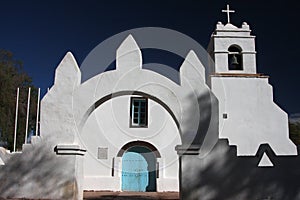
(133, 129)
(130, 120)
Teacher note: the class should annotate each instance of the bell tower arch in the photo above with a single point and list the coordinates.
(233, 49)
(235, 58)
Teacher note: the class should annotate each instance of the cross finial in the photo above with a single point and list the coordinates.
(228, 11)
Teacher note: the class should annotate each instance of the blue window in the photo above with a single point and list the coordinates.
(139, 112)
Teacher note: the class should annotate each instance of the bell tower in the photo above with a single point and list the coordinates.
(233, 48)
(248, 116)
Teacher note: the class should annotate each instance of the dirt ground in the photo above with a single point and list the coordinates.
(130, 195)
(91, 195)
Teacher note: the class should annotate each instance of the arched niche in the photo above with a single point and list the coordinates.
(235, 58)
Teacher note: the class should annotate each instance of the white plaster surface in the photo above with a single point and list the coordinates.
(246, 98)
(1, 162)
(4, 156)
(252, 116)
(84, 121)
(129, 55)
(38, 173)
(108, 127)
(265, 161)
(57, 120)
(226, 35)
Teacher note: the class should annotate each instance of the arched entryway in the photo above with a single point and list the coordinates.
(139, 168)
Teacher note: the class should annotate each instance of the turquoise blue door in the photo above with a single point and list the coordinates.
(134, 172)
(139, 170)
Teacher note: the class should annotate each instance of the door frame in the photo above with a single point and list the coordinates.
(145, 145)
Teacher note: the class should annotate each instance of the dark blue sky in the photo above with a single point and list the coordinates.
(40, 32)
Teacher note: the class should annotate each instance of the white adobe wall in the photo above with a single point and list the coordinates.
(68, 111)
(252, 116)
(108, 127)
(246, 97)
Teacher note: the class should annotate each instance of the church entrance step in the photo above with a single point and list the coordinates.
(97, 195)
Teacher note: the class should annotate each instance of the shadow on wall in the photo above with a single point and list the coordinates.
(201, 130)
(222, 176)
(218, 174)
(38, 173)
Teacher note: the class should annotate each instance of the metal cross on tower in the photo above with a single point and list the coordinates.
(228, 11)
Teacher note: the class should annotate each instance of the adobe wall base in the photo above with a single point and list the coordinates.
(39, 173)
(223, 175)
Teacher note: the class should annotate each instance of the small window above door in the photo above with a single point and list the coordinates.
(139, 112)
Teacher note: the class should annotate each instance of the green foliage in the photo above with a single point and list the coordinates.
(12, 76)
(295, 132)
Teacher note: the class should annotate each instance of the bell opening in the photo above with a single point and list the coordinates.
(234, 58)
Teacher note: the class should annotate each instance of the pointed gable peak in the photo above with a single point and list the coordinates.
(129, 44)
(129, 55)
(192, 67)
(67, 71)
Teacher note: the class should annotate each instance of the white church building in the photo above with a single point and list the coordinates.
(128, 127)
(129, 120)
